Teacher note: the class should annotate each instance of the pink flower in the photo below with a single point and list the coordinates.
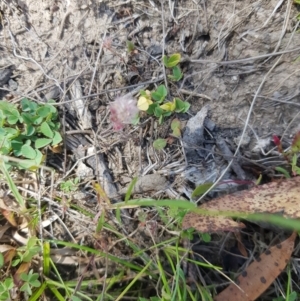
(123, 111)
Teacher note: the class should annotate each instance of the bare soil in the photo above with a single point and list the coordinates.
(240, 61)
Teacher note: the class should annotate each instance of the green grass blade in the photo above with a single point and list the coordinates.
(130, 188)
(35, 296)
(12, 185)
(133, 281)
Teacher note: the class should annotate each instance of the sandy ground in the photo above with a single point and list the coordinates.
(240, 61)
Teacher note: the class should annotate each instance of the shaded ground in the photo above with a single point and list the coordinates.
(240, 63)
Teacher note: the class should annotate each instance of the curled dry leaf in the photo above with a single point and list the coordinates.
(281, 197)
(9, 215)
(260, 274)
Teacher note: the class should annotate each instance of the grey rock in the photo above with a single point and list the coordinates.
(193, 136)
(13, 85)
(5, 75)
(151, 182)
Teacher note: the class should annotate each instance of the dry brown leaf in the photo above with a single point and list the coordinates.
(203, 223)
(23, 268)
(277, 197)
(9, 215)
(240, 245)
(3, 229)
(260, 274)
(9, 255)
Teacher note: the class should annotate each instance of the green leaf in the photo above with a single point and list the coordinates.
(130, 188)
(8, 283)
(296, 143)
(176, 127)
(46, 130)
(16, 146)
(172, 61)
(42, 142)
(52, 108)
(6, 106)
(181, 106)
(177, 74)
(28, 152)
(29, 130)
(43, 111)
(2, 118)
(201, 189)
(27, 118)
(151, 108)
(11, 133)
(28, 105)
(283, 171)
(39, 158)
(130, 46)
(1, 260)
(159, 143)
(159, 94)
(206, 237)
(56, 139)
(158, 112)
(74, 298)
(12, 116)
(37, 120)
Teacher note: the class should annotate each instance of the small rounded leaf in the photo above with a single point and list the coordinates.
(43, 111)
(172, 61)
(28, 152)
(159, 143)
(144, 103)
(42, 142)
(168, 106)
(57, 138)
(46, 130)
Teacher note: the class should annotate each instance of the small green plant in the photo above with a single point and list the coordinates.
(5, 287)
(172, 62)
(291, 156)
(130, 46)
(154, 102)
(176, 127)
(159, 143)
(26, 129)
(30, 280)
(27, 252)
(69, 185)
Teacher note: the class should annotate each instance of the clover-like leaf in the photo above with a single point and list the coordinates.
(16, 145)
(46, 130)
(56, 138)
(28, 152)
(177, 74)
(159, 143)
(144, 103)
(181, 106)
(158, 111)
(42, 142)
(168, 106)
(29, 130)
(43, 111)
(176, 127)
(151, 108)
(159, 94)
(172, 60)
